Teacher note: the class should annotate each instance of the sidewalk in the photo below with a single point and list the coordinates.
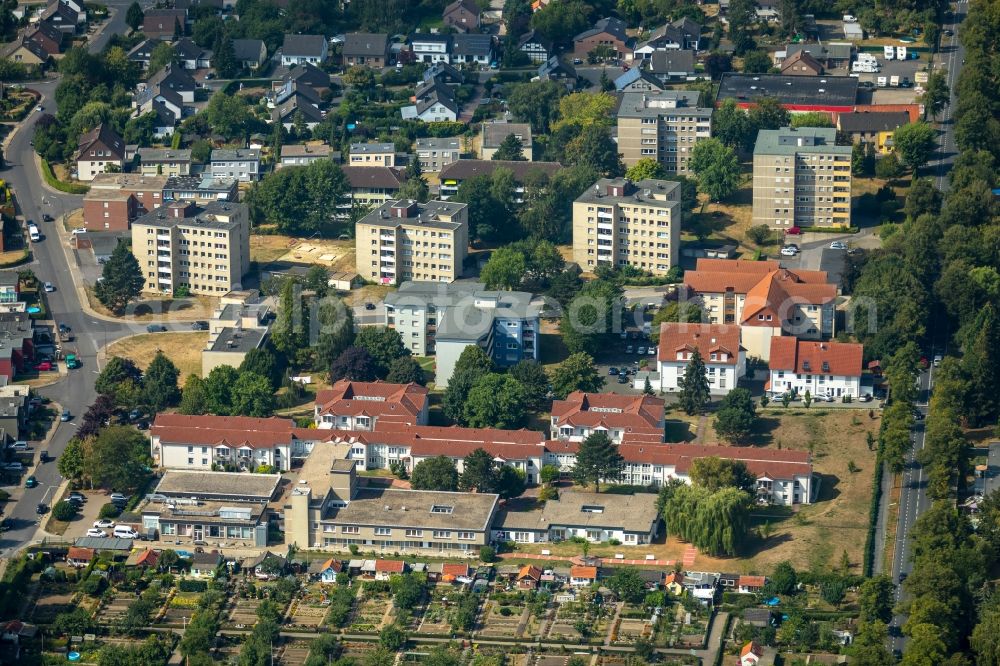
(578, 560)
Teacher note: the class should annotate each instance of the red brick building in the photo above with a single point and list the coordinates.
(109, 210)
(147, 190)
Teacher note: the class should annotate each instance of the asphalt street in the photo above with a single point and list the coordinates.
(952, 53)
(50, 256)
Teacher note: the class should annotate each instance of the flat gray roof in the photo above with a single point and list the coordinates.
(668, 102)
(813, 91)
(104, 543)
(789, 141)
(238, 340)
(427, 215)
(632, 513)
(204, 215)
(164, 155)
(209, 485)
(373, 148)
(598, 193)
(381, 507)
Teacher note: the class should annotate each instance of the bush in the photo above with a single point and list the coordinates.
(52, 181)
(109, 511)
(93, 585)
(64, 511)
(506, 611)
(487, 554)
(189, 585)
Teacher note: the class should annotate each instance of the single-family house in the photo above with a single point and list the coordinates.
(528, 577)
(143, 51)
(462, 15)
(471, 49)
(555, 69)
(46, 35)
(536, 46)
(830, 370)
(64, 16)
(143, 559)
(326, 570)
(243, 164)
(250, 53)
(79, 557)
(801, 63)
(442, 72)
(431, 47)
(295, 107)
(25, 52)
(674, 583)
(165, 24)
(365, 48)
(831, 55)
(304, 154)
(190, 55)
(386, 569)
(701, 585)
(99, 150)
(682, 34)
(298, 49)
(607, 38)
(164, 161)
(639, 80)
(436, 153)
(267, 565)
(676, 65)
(432, 102)
(874, 127)
(204, 565)
(581, 576)
(750, 584)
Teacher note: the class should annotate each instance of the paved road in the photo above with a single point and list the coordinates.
(953, 55)
(76, 391)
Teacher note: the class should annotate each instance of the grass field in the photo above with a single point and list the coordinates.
(184, 349)
(336, 255)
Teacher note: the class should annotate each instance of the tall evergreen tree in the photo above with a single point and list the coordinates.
(694, 391)
(981, 364)
(134, 16)
(598, 458)
(510, 149)
(159, 383)
(122, 281)
(290, 331)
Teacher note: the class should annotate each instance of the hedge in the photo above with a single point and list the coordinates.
(873, 509)
(52, 181)
(188, 585)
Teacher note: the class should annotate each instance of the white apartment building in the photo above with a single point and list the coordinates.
(373, 154)
(434, 154)
(350, 405)
(205, 248)
(720, 349)
(235, 443)
(618, 416)
(406, 240)
(824, 369)
(243, 164)
(663, 126)
(620, 223)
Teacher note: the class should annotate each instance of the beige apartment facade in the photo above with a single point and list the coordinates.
(801, 178)
(205, 248)
(620, 223)
(662, 126)
(406, 240)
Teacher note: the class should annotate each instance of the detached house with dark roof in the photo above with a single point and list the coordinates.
(801, 63)
(250, 53)
(472, 48)
(191, 56)
(299, 49)
(169, 93)
(607, 32)
(163, 23)
(876, 127)
(462, 15)
(536, 46)
(26, 52)
(143, 51)
(432, 102)
(682, 34)
(365, 48)
(99, 149)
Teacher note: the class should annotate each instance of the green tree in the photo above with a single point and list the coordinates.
(534, 381)
(645, 168)
(812, 119)
(336, 330)
(159, 384)
(193, 396)
(536, 103)
(406, 370)
(383, 344)
(510, 149)
(472, 364)
(264, 362)
(717, 168)
(594, 148)
(230, 116)
(504, 270)
(735, 419)
(675, 311)
(122, 280)
(767, 113)
(252, 395)
(914, 143)
(224, 58)
(71, 462)
(732, 126)
(576, 373)
(936, 95)
(162, 55)
(627, 585)
(598, 459)
(757, 62)
(118, 458)
(116, 372)
(713, 473)
(290, 330)
(888, 167)
(64, 511)
(694, 391)
(415, 185)
(784, 578)
(134, 16)
(495, 401)
(760, 234)
(355, 364)
(438, 473)
(477, 472)
(876, 599)
(218, 390)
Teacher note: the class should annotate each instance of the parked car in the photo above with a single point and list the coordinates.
(66, 416)
(134, 415)
(838, 245)
(43, 457)
(77, 496)
(94, 532)
(866, 397)
(104, 524)
(199, 326)
(629, 349)
(14, 467)
(623, 379)
(44, 366)
(30, 482)
(118, 498)
(41, 509)
(794, 231)
(49, 287)
(47, 218)
(937, 360)
(78, 231)
(789, 251)
(156, 328)
(612, 371)
(20, 445)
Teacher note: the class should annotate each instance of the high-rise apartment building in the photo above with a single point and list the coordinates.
(801, 178)
(405, 240)
(619, 222)
(662, 126)
(204, 248)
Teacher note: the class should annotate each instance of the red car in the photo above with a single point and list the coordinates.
(43, 366)
(793, 231)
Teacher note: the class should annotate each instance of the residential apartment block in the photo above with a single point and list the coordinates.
(720, 349)
(147, 190)
(304, 154)
(494, 133)
(350, 405)
(664, 126)
(206, 248)
(406, 240)
(372, 154)
(441, 320)
(164, 162)
(620, 223)
(801, 178)
(765, 300)
(618, 416)
(109, 210)
(236, 443)
(243, 164)
(824, 369)
(435, 154)
(241, 325)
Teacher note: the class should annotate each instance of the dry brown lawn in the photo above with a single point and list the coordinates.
(336, 255)
(153, 308)
(184, 349)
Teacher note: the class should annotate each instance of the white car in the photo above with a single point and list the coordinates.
(78, 231)
(848, 18)
(651, 351)
(789, 251)
(94, 532)
(838, 245)
(104, 523)
(49, 287)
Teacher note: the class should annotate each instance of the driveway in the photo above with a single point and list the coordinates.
(85, 519)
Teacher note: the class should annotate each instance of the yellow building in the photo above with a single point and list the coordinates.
(876, 127)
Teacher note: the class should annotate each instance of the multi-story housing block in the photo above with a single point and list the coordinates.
(825, 369)
(640, 418)
(801, 178)
(720, 349)
(243, 164)
(406, 240)
(620, 223)
(662, 126)
(206, 249)
(350, 405)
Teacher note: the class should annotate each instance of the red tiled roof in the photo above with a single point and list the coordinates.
(403, 402)
(583, 572)
(148, 558)
(610, 410)
(751, 647)
(772, 463)
(707, 338)
(448, 441)
(751, 581)
(390, 566)
(792, 355)
(80, 554)
(231, 431)
(781, 288)
(453, 569)
(674, 577)
(528, 571)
